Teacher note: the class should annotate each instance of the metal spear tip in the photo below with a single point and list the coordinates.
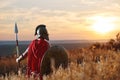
(16, 29)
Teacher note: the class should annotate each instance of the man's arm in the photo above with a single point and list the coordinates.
(22, 56)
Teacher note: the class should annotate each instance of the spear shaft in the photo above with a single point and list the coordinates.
(17, 48)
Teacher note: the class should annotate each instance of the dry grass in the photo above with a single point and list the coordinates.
(94, 65)
(107, 68)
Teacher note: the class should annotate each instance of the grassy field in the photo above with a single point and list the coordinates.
(91, 63)
(84, 65)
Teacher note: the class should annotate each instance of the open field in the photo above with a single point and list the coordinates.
(103, 65)
(93, 62)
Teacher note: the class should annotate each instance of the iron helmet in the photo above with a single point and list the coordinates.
(41, 32)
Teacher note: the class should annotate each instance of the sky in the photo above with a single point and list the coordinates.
(64, 19)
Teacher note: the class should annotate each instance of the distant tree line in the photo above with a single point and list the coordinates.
(112, 44)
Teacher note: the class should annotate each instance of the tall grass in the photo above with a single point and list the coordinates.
(107, 68)
(85, 64)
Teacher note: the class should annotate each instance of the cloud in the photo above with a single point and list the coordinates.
(61, 18)
(58, 22)
(6, 3)
(89, 1)
(93, 5)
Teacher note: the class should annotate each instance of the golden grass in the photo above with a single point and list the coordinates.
(107, 67)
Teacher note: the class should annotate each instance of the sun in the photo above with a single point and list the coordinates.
(103, 25)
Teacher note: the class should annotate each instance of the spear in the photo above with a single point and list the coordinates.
(16, 32)
(17, 48)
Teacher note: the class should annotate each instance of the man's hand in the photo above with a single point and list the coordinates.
(18, 59)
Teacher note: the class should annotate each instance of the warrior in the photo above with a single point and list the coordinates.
(35, 52)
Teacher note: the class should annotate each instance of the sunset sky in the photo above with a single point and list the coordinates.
(65, 19)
